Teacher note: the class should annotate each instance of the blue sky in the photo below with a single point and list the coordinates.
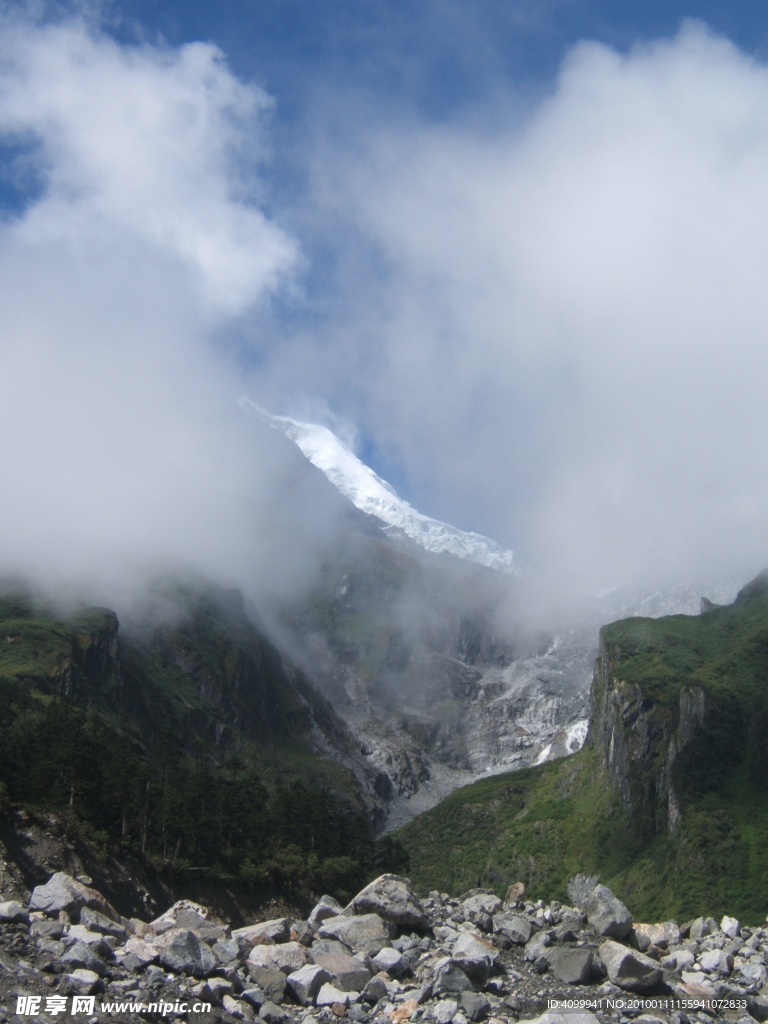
(513, 251)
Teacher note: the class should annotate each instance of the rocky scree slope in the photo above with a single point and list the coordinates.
(667, 800)
(385, 958)
(435, 666)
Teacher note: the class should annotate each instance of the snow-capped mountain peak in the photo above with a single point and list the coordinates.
(368, 492)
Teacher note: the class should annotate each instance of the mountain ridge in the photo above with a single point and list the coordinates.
(371, 494)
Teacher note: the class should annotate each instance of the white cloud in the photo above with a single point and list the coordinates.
(561, 324)
(124, 453)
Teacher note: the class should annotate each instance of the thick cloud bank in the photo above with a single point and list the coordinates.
(560, 320)
(138, 238)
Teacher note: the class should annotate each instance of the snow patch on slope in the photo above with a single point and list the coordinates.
(368, 492)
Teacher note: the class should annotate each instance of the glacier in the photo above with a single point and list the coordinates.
(369, 493)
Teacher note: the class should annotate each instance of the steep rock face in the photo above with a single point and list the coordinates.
(639, 739)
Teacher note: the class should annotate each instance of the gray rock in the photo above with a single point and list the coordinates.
(272, 1014)
(46, 929)
(629, 969)
(607, 915)
(730, 926)
(269, 980)
(329, 995)
(227, 951)
(183, 909)
(12, 911)
(186, 953)
(449, 978)
(63, 893)
(482, 903)
(444, 1011)
(83, 956)
(475, 947)
(95, 921)
(366, 933)
(755, 975)
(302, 932)
(287, 957)
(716, 961)
(307, 982)
(326, 907)
(255, 997)
(663, 935)
(392, 961)
(702, 927)
(474, 1005)
(393, 899)
(375, 990)
(513, 927)
(572, 965)
(678, 960)
(82, 982)
(264, 933)
(348, 972)
(537, 946)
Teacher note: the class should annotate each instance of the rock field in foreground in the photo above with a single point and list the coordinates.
(386, 958)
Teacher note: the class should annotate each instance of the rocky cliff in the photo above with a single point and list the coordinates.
(667, 800)
(638, 739)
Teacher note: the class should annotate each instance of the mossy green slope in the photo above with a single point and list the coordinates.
(191, 744)
(544, 824)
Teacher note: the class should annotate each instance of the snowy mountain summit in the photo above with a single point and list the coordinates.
(371, 494)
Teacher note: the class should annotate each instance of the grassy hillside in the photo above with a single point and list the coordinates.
(544, 824)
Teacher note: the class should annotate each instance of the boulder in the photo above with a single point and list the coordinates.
(264, 933)
(97, 922)
(481, 903)
(754, 974)
(475, 947)
(573, 965)
(537, 946)
(307, 982)
(326, 907)
(63, 893)
(678, 960)
(12, 911)
(364, 933)
(272, 1014)
(515, 893)
(513, 927)
(392, 961)
(444, 1011)
(393, 899)
(449, 978)
(702, 927)
(83, 956)
(349, 973)
(730, 926)
(663, 935)
(184, 952)
(716, 961)
(329, 995)
(287, 957)
(271, 982)
(82, 982)
(629, 969)
(474, 1005)
(607, 915)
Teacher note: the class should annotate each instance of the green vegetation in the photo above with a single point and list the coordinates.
(187, 744)
(543, 825)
